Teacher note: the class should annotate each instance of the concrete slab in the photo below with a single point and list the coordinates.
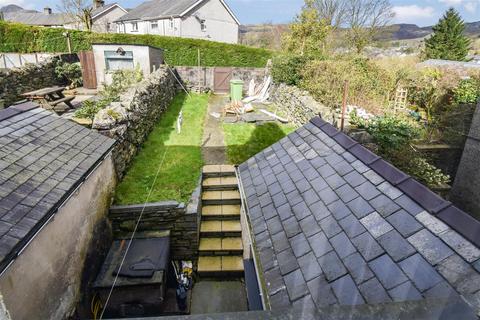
(218, 296)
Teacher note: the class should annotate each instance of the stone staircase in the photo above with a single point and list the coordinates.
(221, 248)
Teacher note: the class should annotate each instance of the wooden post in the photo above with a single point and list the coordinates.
(69, 43)
(344, 105)
(199, 72)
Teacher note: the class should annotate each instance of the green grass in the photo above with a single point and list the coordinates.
(181, 167)
(245, 140)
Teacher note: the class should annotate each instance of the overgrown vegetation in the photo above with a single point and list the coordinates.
(176, 157)
(121, 81)
(178, 51)
(244, 140)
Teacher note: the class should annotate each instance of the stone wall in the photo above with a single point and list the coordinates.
(298, 105)
(130, 120)
(202, 79)
(182, 221)
(14, 82)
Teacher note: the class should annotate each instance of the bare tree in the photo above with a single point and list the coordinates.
(79, 11)
(364, 19)
(332, 12)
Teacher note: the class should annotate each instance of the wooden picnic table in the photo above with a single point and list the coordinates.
(49, 97)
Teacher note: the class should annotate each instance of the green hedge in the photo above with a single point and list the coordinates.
(178, 51)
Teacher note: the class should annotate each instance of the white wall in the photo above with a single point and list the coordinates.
(44, 281)
(221, 26)
(100, 23)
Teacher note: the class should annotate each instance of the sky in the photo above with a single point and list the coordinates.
(420, 12)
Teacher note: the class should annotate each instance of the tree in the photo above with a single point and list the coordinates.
(307, 33)
(79, 11)
(364, 19)
(448, 40)
(332, 12)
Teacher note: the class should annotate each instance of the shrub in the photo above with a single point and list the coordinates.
(288, 68)
(427, 173)
(89, 109)
(467, 92)
(71, 72)
(369, 85)
(178, 51)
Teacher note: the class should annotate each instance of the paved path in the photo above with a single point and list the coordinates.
(213, 143)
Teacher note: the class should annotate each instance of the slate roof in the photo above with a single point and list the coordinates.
(334, 224)
(43, 159)
(100, 10)
(158, 9)
(37, 18)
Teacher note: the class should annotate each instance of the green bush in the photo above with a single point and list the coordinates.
(71, 72)
(467, 92)
(369, 84)
(288, 68)
(178, 51)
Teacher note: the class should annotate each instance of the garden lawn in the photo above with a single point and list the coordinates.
(181, 167)
(244, 140)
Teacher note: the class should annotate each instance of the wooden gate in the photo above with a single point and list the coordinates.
(89, 75)
(221, 80)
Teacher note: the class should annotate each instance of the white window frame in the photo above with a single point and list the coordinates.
(154, 25)
(203, 26)
(134, 26)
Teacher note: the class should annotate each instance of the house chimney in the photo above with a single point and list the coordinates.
(98, 4)
(47, 10)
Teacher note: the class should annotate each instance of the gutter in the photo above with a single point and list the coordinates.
(22, 244)
(244, 211)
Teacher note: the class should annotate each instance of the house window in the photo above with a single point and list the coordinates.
(134, 26)
(171, 24)
(154, 25)
(203, 26)
(118, 60)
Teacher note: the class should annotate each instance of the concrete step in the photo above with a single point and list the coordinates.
(222, 170)
(220, 183)
(220, 197)
(224, 266)
(221, 246)
(221, 212)
(220, 228)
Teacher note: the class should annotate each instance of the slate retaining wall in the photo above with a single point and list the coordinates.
(182, 220)
(130, 120)
(298, 105)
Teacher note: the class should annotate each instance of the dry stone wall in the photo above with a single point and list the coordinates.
(299, 105)
(130, 120)
(14, 82)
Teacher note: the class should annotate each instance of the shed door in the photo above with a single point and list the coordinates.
(88, 69)
(221, 80)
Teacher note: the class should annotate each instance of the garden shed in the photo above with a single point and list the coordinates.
(111, 57)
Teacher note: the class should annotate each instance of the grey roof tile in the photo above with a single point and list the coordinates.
(309, 226)
(354, 178)
(422, 274)
(321, 292)
(300, 245)
(280, 299)
(309, 266)
(291, 227)
(396, 246)
(373, 177)
(338, 209)
(441, 291)
(280, 242)
(274, 225)
(351, 226)
(332, 266)
(389, 190)
(405, 292)
(374, 292)
(319, 244)
(296, 285)
(342, 245)
(431, 247)
(431, 223)
(376, 224)
(459, 274)
(274, 281)
(287, 261)
(387, 272)
(346, 193)
(346, 291)
(319, 210)
(461, 246)
(300, 210)
(384, 205)
(327, 196)
(330, 226)
(358, 268)
(367, 190)
(360, 207)
(367, 246)
(408, 204)
(335, 181)
(404, 223)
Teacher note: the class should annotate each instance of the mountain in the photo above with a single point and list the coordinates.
(13, 8)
